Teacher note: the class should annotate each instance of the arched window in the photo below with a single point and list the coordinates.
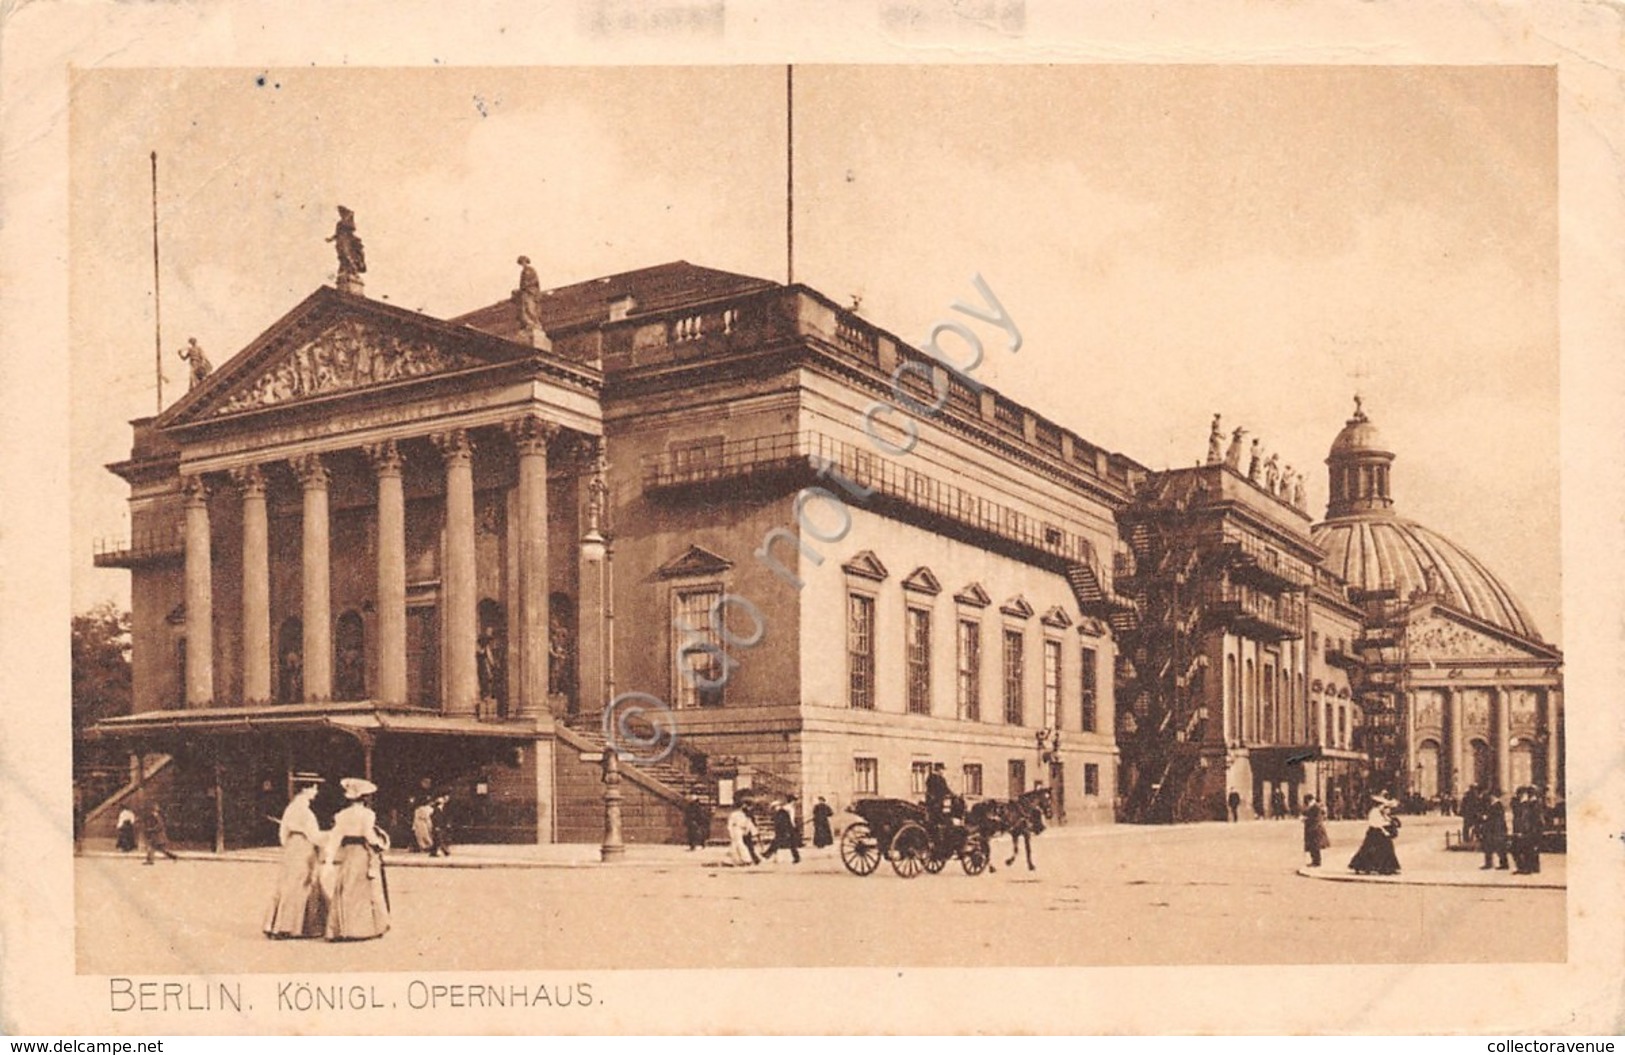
(350, 657)
(290, 661)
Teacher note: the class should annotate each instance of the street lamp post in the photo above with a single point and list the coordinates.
(613, 847)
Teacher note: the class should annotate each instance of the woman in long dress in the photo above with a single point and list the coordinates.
(1376, 853)
(298, 908)
(741, 837)
(358, 901)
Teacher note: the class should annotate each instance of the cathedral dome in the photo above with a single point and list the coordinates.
(1379, 550)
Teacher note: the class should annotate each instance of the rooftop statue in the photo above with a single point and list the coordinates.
(528, 296)
(1272, 474)
(193, 354)
(1215, 443)
(1254, 462)
(352, 256)
(1232, 457)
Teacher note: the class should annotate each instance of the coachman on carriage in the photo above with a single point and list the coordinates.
(911, 838)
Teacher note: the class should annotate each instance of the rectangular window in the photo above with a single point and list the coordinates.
(919, 661)
(1089, 685)
(1052, 685)
(970, 670)
(1091, 778)
(1018, 778)
(918, 773)
(1014, 669)
(700, 674)
(973, 780)
(860, 651)
(866, 776)
(697, 459)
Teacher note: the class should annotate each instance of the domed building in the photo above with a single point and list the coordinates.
(1458, 686)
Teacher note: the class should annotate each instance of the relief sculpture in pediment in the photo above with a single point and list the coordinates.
(347, 356)
(1439, 639)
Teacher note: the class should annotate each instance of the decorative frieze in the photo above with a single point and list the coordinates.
(349, 355)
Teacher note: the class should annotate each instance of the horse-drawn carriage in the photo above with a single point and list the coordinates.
(903, 833)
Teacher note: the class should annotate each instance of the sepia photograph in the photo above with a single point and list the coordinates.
(531, 522)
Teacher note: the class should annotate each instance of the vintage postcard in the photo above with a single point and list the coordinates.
(1001, 513)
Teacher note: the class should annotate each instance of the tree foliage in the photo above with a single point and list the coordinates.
(101, 664)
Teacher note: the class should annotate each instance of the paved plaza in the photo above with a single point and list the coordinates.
(1202, 894)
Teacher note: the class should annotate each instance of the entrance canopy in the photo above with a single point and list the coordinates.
(357, 719)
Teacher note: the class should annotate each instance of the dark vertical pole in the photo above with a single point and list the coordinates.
(789, 175)
(157, 316)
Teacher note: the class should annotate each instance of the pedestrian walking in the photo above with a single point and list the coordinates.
(126, 830)
(1492, 830)
(696, 821)
(1277, 804)
(821, 816)
(1528, 816)
(440, 829)
(786, 835)
(1315, 838)
(156, 829)
(741, 836)
(1376, 854)
(353, 865)
(1234, 802)
(298, 906)
(423, 826)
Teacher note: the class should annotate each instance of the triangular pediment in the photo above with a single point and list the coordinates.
(1057, 618)
(334, 343)
(866, 566)
(1440, 637)
(1018, 607)
(974, 595)
(920, 580)
(696, 561)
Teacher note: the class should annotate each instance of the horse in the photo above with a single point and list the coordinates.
(1022, 818)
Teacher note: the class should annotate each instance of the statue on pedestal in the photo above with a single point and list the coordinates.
(199, 363)
(1215, 443)
(528, 299)
(352, 256)
(1272, 474)
(1255, 461)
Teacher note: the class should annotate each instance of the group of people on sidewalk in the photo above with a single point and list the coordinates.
(1484, 820)
(744, 833)
(154, 828)
(332, 883)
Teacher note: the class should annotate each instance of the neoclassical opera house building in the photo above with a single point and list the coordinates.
(428, 551)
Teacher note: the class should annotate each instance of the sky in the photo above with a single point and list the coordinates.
(1172, 241)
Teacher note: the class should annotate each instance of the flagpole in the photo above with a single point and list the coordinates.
(157, 310)
(789, 175)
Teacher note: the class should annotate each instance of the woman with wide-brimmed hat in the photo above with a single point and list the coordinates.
(298, 908)
(1376, 854)
(358, 892)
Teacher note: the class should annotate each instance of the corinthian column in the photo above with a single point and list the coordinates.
(318, 618)
(531, 436)
(1458, 745)
(250, 481)
(386, 463)
(461, 616)
(199, 596)
(1503, 740)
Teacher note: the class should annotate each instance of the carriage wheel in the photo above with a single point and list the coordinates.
(911, 850)
(973, 855)
(860, 852)
(933, 863)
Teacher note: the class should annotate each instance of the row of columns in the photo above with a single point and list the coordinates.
(459, 602)
(1503, 738)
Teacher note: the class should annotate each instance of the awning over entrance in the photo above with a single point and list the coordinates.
(354, 718)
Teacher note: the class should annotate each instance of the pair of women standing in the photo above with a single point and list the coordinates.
(332, 884)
